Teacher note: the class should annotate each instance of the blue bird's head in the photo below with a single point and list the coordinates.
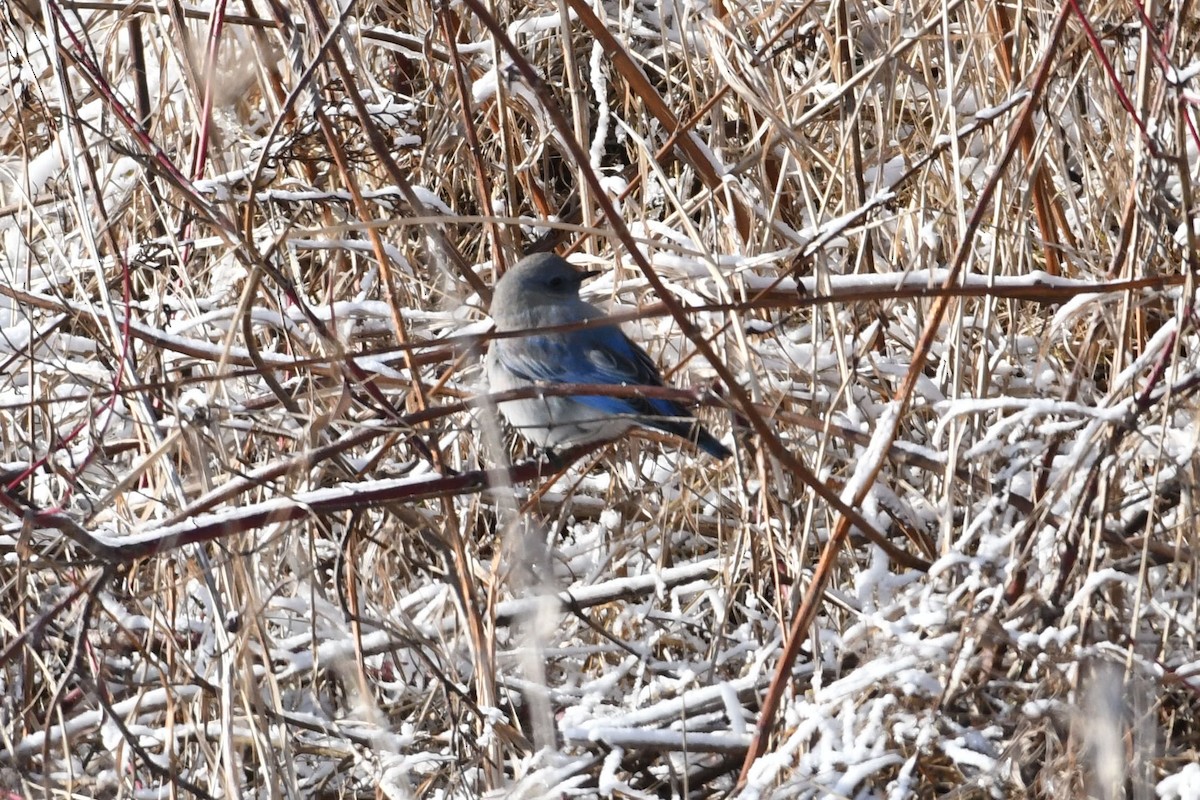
(540, 289)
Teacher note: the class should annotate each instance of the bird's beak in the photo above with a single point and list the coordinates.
(584, 274)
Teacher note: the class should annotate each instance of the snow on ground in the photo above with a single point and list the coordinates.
(264, 535)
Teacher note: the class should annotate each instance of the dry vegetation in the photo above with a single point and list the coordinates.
(932, 274)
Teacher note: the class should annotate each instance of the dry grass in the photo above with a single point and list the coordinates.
(933, 258)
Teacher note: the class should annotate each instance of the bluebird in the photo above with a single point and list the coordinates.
(542, 291)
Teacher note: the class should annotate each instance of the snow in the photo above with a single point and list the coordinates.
(258, 540)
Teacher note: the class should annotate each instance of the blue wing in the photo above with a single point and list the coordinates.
(597, 355)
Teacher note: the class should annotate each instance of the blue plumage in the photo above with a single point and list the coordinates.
(543, 291)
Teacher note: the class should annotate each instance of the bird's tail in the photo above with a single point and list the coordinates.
(708, 443)
(693, 431)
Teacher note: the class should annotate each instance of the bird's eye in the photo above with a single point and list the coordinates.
(556, 282)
